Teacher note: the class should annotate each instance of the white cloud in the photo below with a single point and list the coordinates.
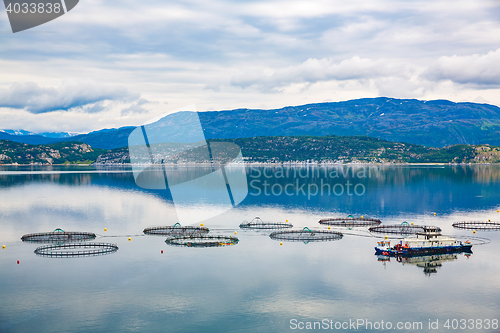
(70, 94)
(314, 70)
(476, 69)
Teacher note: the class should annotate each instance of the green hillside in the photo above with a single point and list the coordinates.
(358, 149)
(57, 153)
(335, 149)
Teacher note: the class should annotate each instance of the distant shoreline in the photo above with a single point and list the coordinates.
(262, 164)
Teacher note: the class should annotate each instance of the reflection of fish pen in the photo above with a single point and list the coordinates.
(477, 225)
(58, 236)
(350, 221)
(306, 235)
(76, 250)
(176, 230)
(257, 223)
(202, 241)
(400, 229)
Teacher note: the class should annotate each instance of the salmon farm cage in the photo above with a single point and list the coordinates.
(477, 225)
(202, 241)
(176, 230)
(58, 236)
(76, 250)
(350, 221)
(257, 223)
(400, 229)
(306, 235)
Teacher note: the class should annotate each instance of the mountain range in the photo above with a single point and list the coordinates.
(437, 123)
(55, 135)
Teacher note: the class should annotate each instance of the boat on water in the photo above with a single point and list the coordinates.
(430, 241)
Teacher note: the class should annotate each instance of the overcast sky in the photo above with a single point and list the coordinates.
(122, 62)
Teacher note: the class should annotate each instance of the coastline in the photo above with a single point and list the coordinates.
(258, 164)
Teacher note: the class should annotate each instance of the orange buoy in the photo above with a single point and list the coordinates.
(105, 229)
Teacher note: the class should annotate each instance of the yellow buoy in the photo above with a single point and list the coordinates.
(434, 214)
(235, 233)
(362, 216)
(473, 231)
(281, 243)
(287, 220)
(3, 246)
(386, 237)
(328, 228)
(489, 220)
(129, 239)
(201, 224)
(105, 229)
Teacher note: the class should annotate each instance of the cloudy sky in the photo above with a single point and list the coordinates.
(122, 62)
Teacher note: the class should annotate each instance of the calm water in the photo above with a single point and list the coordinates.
(256, 285)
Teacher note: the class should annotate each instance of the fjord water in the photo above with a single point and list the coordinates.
(256, 285)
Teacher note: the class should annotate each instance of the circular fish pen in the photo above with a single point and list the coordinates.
(350, 221)
(58, 236)
(202, 241)
(399, 229)
(257, 223)
(477, 225)
(76, 250)
(176, 230)
(306, 235)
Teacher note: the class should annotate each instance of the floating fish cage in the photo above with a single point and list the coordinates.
(76, 250)
(202, 241)
(58, 236)
(400, 229)
(350, 221)
(176, 230)
(306, 235)
(477, 225)
(257, 223)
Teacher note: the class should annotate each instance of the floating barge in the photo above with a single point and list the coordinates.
(430, 241)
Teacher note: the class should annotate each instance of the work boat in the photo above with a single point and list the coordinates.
(428, 241)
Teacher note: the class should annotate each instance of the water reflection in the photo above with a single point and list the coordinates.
(357, 189)
(256, 286)
(429, 263)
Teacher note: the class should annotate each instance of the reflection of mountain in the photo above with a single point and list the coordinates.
(388, 189)
(430, 264)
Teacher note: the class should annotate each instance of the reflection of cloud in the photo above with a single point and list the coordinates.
(74, 208)
(70, 94)
(475, 69)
